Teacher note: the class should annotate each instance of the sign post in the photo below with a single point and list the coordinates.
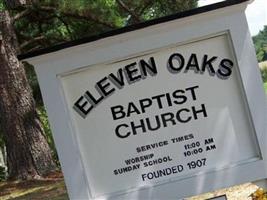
(161, 110)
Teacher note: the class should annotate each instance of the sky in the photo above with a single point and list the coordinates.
(256, 13)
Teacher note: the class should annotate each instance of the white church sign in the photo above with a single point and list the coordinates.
(162, 110)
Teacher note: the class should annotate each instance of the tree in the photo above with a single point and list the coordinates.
(28, 154)
(41, 24)
(50, 22)
(260, 42)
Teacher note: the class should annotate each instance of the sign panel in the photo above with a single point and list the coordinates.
(163, 116)
(172, 109)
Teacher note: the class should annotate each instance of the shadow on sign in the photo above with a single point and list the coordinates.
(223, 197)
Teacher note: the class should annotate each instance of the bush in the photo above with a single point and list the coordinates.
(264, 74)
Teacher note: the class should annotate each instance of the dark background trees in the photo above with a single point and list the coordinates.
(260, 42)
(45, 23)
(27, 25)
(28, 153)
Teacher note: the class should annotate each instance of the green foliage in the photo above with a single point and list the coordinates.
(1, 5)
(48, 133)
(104, 10)
(264, 74)
(260, 42)
(32, 78)
(50, 22)
(2, 174)
(167, 7)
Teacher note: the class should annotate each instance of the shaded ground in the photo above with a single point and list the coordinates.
(52, 188)
(240, 192)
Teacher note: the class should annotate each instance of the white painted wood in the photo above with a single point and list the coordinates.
(229, 23)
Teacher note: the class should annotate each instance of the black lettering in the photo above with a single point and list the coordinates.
(180, 99)
(117, 112)
(225, 69)
(192, 63)
(103, 86)
(158, 98)
(117, 80)
(142, 126)
(149, 124)
(167, 117)
(192, 89)
(202, 110)
(145, 103)
(179, 66)
(208, 63)
(148, 68)
(178, 115)
(132, 109)
(118, 128)
(131, 72)
(143, 177)
(92, 99)
(168, 97)
(81, 108)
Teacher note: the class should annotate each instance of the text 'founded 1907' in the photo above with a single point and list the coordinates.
(159, 117)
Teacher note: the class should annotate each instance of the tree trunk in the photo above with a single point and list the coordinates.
(28, 153)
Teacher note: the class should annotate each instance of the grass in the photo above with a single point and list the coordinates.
(238, 192)
(265, 87)
(54, 189)
(51, 188)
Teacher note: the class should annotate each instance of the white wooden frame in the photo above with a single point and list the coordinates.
(231, 19)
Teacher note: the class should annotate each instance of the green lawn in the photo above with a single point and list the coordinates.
(265, 87)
